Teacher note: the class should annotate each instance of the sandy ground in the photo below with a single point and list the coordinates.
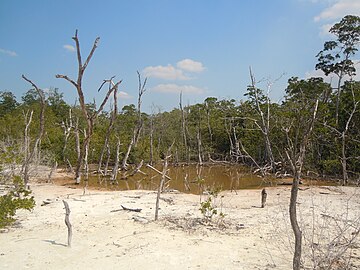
(248, 237)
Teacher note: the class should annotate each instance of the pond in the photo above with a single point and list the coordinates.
(191, 179)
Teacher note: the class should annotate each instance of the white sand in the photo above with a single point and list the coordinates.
(250, 238)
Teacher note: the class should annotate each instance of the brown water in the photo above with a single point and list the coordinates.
(188, 179)
(194, 179)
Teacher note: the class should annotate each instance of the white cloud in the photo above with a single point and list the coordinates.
(339, 9)
(176, 89)
(165, 72)
(69, 48)
(10, 53)
(324, 30)
(124, 95)
(190, 65)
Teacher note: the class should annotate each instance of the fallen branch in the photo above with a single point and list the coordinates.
(131, 209)
(156, 170)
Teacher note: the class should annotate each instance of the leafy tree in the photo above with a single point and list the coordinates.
(335, 58)
(8, 102)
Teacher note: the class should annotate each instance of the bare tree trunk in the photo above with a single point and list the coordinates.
(138, 126)
(88, 115)
(343, 135)
(86, 155)
(183, 128)
(296, 158)
(35, 152)
(208, 123)
(126, 157)
(106, 146)
(116, 165)
(228, 132)
(67, 126)
(294, 223)
(162, 181)
(67, 222)
(151, 158)
(265, 121)
(53, 169)
(263, 197)
(198, 136)
(344, 159)
(25, 166)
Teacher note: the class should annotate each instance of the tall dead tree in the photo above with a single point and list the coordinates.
(264, 124)
(151, 138)
(162, 181)
(89, 116)
(198, 137)
(35, 151)
(106, 146)
(295, 153)
(183, 129)
(139, 122)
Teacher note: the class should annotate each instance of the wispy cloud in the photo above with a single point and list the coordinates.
(7, 52)
(190, 65)
(124, 95)
(69, 48)
(339, 9)
(324, 30)
(176, 89)
(165, 72)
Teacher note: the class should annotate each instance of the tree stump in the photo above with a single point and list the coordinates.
(67, 222)
(263, 197)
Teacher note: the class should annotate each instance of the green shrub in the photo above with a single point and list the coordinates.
(209, 208)
(16, 198)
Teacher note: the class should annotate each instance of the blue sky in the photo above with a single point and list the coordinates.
(201, 47)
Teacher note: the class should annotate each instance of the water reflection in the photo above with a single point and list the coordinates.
(188, 179)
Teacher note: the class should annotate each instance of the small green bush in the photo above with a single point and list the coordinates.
(17, 198)
(209, 207)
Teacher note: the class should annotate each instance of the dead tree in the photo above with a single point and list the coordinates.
(138, 125)
(67, 126)
(67, 222)
(162, 181)
(35, 151)
(151, 138)
(115, 169)
(106, 146)
(88, 115)
(198, 137)
(295, 153)
(207, 108)
(26, 149)
(184, 129)
(264, 125)
(263, 197)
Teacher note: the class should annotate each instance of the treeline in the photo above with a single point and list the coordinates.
(254, 131)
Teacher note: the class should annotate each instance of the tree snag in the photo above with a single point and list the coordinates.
(263, 197)
(138, 126)
(162, 181)
(88, 115)
(67, 222)
(35, 152)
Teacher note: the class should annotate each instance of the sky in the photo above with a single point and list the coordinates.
(202, 48)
